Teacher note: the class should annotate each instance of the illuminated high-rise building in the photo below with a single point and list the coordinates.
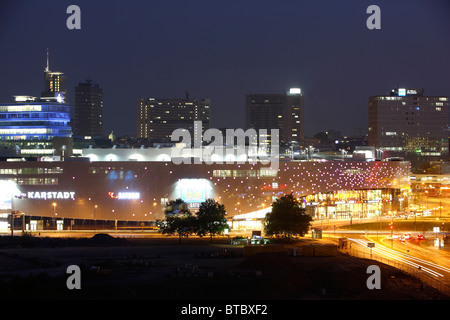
(284, 112)
(54, 85)
(158, 118)
(405, 122)
(88, 115)
(29, 119)
(34, 122)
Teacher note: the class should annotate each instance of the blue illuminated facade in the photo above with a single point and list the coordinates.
(34, 121)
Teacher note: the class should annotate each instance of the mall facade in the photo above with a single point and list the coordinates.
(77, 192)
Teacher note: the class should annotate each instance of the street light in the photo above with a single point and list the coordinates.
(54, 212)
(95, 208)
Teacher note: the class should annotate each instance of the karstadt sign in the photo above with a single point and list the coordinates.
(45, 195)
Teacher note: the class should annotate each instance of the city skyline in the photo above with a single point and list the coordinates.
(228, 51)
(191, 150)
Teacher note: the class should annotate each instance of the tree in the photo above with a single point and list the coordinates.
(179, 219)
(211, 218)
(287, 218)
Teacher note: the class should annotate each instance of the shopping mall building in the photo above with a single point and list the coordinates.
(130, 188)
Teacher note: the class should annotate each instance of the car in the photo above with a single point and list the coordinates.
(407, 236)
(395, 236)
(420, 237)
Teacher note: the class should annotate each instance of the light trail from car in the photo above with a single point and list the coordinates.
(407, 259)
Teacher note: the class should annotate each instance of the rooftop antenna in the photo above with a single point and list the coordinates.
(47, 69)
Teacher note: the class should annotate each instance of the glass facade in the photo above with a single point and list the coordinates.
(348, 204)
(34, 121)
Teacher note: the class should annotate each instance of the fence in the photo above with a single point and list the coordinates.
(416, 272)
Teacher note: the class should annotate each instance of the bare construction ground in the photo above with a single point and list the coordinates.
(162, 269)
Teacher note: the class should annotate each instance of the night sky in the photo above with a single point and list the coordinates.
(223, 50)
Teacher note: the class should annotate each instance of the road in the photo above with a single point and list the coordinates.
(439, 206)
(411, 256)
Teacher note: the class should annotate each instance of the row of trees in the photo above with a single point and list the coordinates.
(209, 219)
(287, 219)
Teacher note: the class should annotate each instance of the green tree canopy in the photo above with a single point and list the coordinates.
(287, 218)
(211, 218)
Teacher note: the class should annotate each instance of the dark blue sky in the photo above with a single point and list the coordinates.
(226, 49)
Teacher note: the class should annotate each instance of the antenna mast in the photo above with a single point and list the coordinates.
(47, 69)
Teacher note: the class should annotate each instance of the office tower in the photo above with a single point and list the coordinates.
(406, 122)
(33, 123)
(284, 112)
(88, 115)
(54, 85)
(30, 119)
(158, 118)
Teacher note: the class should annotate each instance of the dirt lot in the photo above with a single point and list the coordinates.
(162, 269)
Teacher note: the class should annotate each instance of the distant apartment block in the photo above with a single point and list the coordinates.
(284, 112)
(158, 118)
(406, 122)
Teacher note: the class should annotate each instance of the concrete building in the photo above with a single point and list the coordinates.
(407, 123)
(284, 112)
(88, 113)
(80, 191)
(158, 118)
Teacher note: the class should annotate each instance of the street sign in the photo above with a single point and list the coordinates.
(438, 242)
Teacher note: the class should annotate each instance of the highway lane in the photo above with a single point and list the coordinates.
(423, 249)
(381, 252)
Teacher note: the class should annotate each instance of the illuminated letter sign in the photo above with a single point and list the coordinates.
(112, 195)
(44, 195)
(125, 195)
(401, 92)
(129, 195)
